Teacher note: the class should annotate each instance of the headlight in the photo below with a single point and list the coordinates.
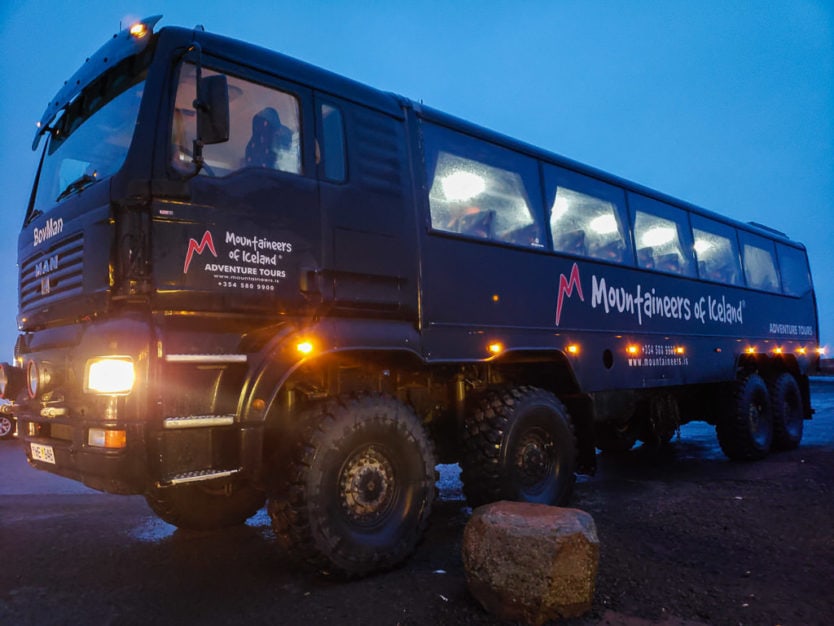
(109, 376)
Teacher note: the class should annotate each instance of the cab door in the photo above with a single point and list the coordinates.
(248, 233)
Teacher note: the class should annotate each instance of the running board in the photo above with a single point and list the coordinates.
(197, 476)
(198, 421)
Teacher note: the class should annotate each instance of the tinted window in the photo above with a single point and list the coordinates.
(264, 132)
(661, 236)
(332, 157)
(586, 216)
(481, 190)
(716, 251)
(759, 263)
(796, 279)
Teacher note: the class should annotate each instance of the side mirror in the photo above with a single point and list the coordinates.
(212, 105)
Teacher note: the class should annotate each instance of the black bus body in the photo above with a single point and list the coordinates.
(245, 278)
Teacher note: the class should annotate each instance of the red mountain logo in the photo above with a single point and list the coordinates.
(566, 286)
(193, 246)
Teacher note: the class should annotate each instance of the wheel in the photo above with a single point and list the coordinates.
(360, 487)
(745, 433)
(518, 445)
(6, 426)
(610, 437)
(206, 506)
(788, 412)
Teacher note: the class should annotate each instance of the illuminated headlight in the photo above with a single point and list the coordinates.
(109, 376)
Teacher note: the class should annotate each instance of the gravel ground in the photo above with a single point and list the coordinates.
(686, 537)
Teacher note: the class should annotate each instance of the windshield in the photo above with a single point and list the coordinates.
(89, 140)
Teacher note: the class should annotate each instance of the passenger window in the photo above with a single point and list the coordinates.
(716, 251)
(796, 278)
(480, 190)
(662, 237)
(332, 160)
(586, 216)
(265, 129)
(759, 263)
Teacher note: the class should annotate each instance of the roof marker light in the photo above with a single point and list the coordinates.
(139, 30)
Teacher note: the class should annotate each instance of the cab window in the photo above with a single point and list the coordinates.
(265, 129)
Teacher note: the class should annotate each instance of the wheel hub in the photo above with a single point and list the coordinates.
(367, 486)
(534, 458)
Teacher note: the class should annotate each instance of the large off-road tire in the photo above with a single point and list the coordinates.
(519, 445)
(745, 432)
(206, 506)
(6, 426)
(360, 487)
(788, 412)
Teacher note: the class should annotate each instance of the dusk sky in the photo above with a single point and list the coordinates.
(726, 104)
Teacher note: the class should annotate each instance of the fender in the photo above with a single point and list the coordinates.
(281, 356)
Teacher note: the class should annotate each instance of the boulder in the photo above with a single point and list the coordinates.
(531, 562)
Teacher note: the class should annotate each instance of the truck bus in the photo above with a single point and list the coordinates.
(247, 281)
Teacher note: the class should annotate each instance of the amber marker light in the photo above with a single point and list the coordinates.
(751, 350)
(496, 347)
(633, 349)
(305, 347)
(139, 30)
(105, 438)
(573, 349)
(777, 350)
(680, 350)
(801, 350)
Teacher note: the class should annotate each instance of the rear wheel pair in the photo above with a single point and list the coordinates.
(762, 416)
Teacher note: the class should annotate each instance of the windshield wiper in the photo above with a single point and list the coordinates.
(85, 180)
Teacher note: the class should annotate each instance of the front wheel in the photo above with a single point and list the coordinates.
(788, 412)
(360, 487)
(519, 445)
(206, 506)
(745, 432)
(6, 426)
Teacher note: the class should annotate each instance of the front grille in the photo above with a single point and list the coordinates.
(54, 273)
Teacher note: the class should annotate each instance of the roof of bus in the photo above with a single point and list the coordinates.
(392, 104)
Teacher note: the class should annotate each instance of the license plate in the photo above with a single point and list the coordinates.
(43, 453)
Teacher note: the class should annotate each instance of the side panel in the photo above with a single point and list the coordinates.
(368, 223)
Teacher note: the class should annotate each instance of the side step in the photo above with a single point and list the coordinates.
(197, 476)
(198, 421)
